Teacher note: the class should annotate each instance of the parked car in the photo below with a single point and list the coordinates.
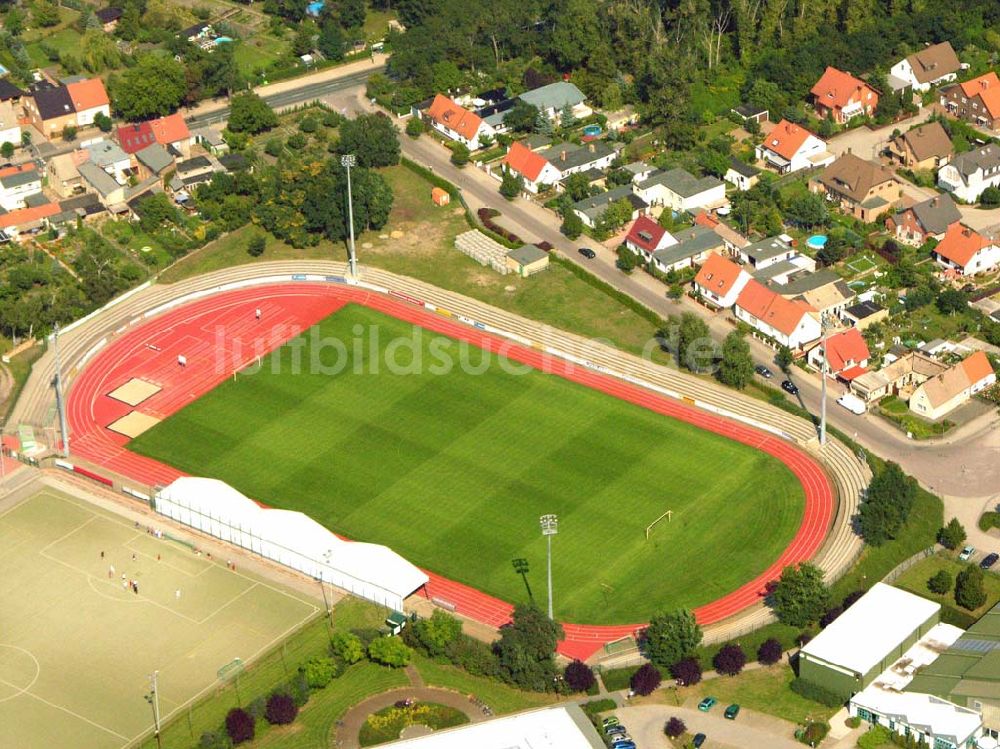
(698, 740)
(989, 560)
(732, 711)
(790, 387)
(628, 744)
(852, 403)
(763, 371)
(967, 553)
(616, 730)
(707, 704)
(620, 740)
(588, 253)
(611, 720)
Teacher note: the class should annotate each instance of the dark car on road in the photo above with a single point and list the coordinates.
(989, 560)
(763, 371)
(699, 739)
(790, 387)
(588, 253)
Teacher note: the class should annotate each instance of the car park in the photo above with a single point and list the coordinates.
(732, 711)
(989, 560)
(707, 704)
(967, 553)
(588, 253)
(763, 371)
(698, 740)
(790, 387)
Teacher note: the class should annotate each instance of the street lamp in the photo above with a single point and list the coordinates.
(347, 161)
(550, 526)
(824, 323)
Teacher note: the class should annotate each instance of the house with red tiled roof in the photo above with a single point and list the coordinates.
(841, 96)
(790, 322)
(135, 136)
(720, 281)
(172, 132)
(943, 393)
(457, 122)
(26, 221)
(976, 101)
(845, 351)
(645, 237)
(89, 99)
(533, 168)
(790, 147)
(966, 251)
(52, 108)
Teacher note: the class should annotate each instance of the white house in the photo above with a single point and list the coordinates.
(970, 173)
(845, 351)
(89, 100)
(17, 183)
(645, 237)
(552, 99)
(534, 169)
(692, 247)
(458, 123)
(766, 252)
(943, 393)
(931, 66)
(966, 251)
(790, 147)
(742, 176)
(720, 281)
(569, 158)
(790, 322)
(10, 127)
(679, 190)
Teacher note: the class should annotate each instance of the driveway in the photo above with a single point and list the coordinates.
(868, 143)
(645, 724)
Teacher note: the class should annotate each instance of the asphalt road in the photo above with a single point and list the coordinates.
(645, 724)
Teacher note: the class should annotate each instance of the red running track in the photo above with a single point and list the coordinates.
(220, 334)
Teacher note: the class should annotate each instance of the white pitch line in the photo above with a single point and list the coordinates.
(66, 710)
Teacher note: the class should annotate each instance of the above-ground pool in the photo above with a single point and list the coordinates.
(592, 130)
(222, 39)
(817, 241)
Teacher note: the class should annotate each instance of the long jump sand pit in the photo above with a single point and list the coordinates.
(134, 392)
(133, 424)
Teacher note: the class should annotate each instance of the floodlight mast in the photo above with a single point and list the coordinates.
(347, 161)
(550, 526)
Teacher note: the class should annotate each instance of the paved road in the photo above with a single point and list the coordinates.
(645, 724)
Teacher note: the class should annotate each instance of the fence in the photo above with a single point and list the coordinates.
(903, 566)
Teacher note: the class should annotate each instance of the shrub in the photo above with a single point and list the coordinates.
(389, 651)
(875, 738)
(281, 709)
(646, 679)
(347, 647)
(969, 591)
(486, 215)
(257, 707)
(593, 708)
(459, 154)
(256, 245)
(239, 725)
(435, 634)
(319, 671)
(953, 534)
(830, 616)
(274, 147)
(414, 127)
(989, 520)
(816, 694)
(579, 676)
(214, 740)
(308, 125)
(853, 722)
(769, 652)
(814, 733)
(473, 656)
(940, 582)
(675, 727)
(687, 671)
(7, 149)
(296, 141)
(852, 598)
(730, 660)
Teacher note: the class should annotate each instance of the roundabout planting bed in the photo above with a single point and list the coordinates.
(388, 723)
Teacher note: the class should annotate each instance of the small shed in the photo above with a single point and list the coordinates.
(440, 196)
(527, 260)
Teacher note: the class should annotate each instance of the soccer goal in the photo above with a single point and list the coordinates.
(668, 515)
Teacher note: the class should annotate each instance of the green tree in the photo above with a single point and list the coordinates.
(155, 211)
(319, 671)
(99, 51)
(302, 42)
(103, 122)
(940, 582)
(801, 596)
(372, 138)
(511, 185)
(521, 117)
(626, 261)
(951, 301)
(414, 127)
(256, 245)
(351, 13)
(13, 22)
(69, 132)
(248, 113)
(807, 210)
(7, 149)
(436, 633)
(736, 367)
(572, 224)
(347, 647)
(526, 647)
(331, 42)
(576, 35)
(784, 358)
(970, 592)
(389, 651)
(990, 197)
(576, 187)
(695, 346)
(614, 216)
(952, 535)
(45, 14)
(671, 637)
(154, 87)
(459, 154)
(566, 117)
(887, 506)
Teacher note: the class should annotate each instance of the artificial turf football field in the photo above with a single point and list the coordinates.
(453, 470)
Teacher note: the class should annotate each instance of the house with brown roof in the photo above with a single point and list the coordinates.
(841, 96)
(898, 378)
(966, 251)
(789, 322)
(862, 188)
(931, 66)
(943, 393)
(790, 147)
(457, 123)
(63, 173)
(51, 108)
(928, 219)
(720, 281)
(925, 147)
(976, 101)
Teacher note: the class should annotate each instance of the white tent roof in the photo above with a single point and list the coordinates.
(872, 628)
(211, 497)
(379, 565)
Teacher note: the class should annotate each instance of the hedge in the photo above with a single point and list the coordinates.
(486, 216)
(989, 520)
(619, 296)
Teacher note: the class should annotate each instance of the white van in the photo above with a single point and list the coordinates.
(852, 403)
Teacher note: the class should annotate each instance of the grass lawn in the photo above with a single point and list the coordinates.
(500, 697)
(65, 40)
(915, 580)
(452, 469)
(765, 690)
(895, 411)
(376, 26)
(258, 53)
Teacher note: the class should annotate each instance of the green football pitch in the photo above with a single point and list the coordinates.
(77, 649)
(453, 470)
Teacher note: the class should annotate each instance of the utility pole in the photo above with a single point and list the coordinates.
(347, 161)
(60, 397)
(550, 526)
(153, 698)
(822, 403)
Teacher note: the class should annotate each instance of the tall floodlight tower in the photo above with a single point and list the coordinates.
(60, 396)
(347, 161)
(550, 526)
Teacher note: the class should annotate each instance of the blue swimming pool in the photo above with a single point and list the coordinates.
(222, 39)
(817, 241)
(592, 130)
